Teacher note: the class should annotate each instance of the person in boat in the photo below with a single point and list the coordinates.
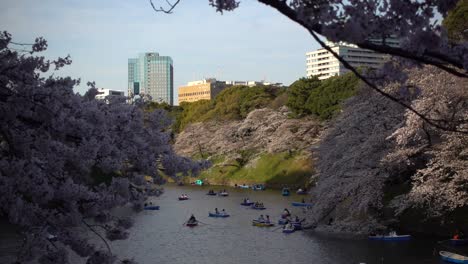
(303, 200)
(261, 219)
(223, 212)
(286, 212)
(216, 211)
(192, 219)
(297, 219)
(261, 205)
(267, 220)
(245, 200)
(248, 200)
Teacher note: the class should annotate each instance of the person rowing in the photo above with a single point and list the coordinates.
(261, 219)
(192, 219)
(216, 211)
(267, 221)
(223, 212)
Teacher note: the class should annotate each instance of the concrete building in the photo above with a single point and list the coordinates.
(205, 89)
(251, 83)
(323, 64)
(104, 93)
(152, 75)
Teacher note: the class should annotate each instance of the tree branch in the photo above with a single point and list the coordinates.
(161, 9)
(428, 57)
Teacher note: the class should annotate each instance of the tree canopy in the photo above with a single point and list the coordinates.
(54, 142)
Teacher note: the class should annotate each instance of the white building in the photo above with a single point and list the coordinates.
(323, 64)
(103, 93)
(251, 83)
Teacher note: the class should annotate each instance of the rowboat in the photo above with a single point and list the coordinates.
(211, 193)
(282, 221)
(458, 242)
(182, 198)
(285, 192)
(288, 230)
(258, 207)
(452, 257)
(151, 207)
(247, 204)
(223, 194)
(192, 224)
(297, 225)
(300, 204)
(301, 192)
(258, 187)
(391, 237)
(243, 186)
(210, 214)
(261, 224)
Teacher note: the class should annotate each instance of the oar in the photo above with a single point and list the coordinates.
(202, 222)
(277, 228)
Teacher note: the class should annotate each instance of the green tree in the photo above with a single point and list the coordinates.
(299, 92)
(325, 100)
(456, 22)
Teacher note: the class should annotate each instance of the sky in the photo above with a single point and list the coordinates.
(254, 42)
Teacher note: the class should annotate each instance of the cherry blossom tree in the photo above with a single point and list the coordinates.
(66, 160)
(439, 184)
(374, 145)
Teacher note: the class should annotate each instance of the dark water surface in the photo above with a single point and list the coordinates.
(160, 237)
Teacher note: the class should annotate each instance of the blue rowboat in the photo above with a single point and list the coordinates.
(212, 194)
(151, 207)
(210, 214)
(297, 225)
(391, 238)
(223, 194)
(247, 204)
(285, 192)
(288, 231)
(258, 187)
(458, 242)
(282, 221)
(257, 208)
(261, 223)
(452, 257)
(300, 204)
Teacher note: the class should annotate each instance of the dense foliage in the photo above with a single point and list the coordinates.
(456, 22)
(233, 103)
(321, 98)
(53, 142)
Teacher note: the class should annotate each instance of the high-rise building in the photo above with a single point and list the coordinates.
(323, 64)
(152, 75)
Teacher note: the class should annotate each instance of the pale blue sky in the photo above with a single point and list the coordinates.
(252, 43)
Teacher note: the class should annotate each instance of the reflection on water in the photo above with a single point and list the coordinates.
(160, 237)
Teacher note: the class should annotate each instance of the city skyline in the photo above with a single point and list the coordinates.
(253, 43)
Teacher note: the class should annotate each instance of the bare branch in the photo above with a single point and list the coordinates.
(161, 9)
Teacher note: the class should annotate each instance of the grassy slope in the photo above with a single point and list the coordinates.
(273, 169)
